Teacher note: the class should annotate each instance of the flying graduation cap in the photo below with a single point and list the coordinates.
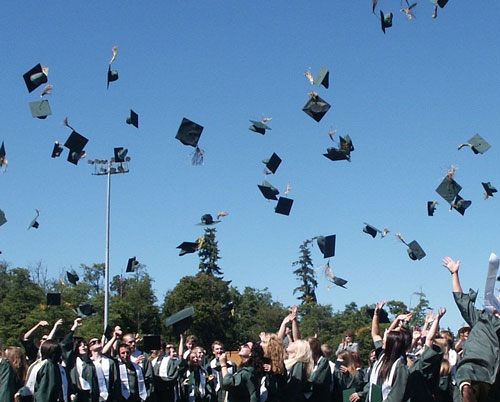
(3, 219)
(133, 119)
(40, 109)
(415, 252)
(35, 77)
(112, 74)
(373, 231)
(326, 245)
(34, 223)
(207, 220)
(188, 247)
(260, 126)
(53, 299)
(385, 20)
(272, 163)
(330, 276)
(321, 79)
(57, 150)
(189, 133)
(431, 207)
(85, 310)
(73, 277)
(181, 320)
(268, 190)
(460, 205)
(132, 264)
(3, 157)
(343, 152)
(75, 143)
(489, 190)
(477, 143)
(316, 107)
(120, 154)
(449, 188)
(383, 317)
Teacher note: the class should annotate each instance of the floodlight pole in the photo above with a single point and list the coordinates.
(108, 169)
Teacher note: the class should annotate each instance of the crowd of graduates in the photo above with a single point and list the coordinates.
(406, 364)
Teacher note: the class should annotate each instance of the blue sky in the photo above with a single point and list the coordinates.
(407, 99)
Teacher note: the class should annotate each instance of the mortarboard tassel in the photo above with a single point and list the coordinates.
(309, 76)
(400, 237)
(198, 156)
(222, 214)
(65, 122)
(47, 90)
(288, 189)
(435, 13)
(200, 242)
(115, 52)
(331, 133)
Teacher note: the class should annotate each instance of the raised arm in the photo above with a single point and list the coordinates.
(400, 319)
(375, 325)
(117, 333)
(453, 267)
(295, 325)
(434, 327)
(181, 346)
(281, 331)
(57, 324)
(30, 333)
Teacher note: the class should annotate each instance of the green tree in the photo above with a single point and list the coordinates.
(208, 295)
(209, 253)
(305, 273)
(133, 303)
(94, 276)
(396, 307)
(255, 311)
(420, 310)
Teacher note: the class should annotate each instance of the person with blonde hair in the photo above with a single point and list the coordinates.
(274, 380)
(17, 360)
(299, 366)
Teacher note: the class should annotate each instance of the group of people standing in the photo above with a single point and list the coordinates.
(423, 364)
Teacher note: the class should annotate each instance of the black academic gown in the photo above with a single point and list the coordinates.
(423, 377)
(321, 379)
(7, 381)
(243, 386)
(165, 388)
(89, 375)
(297, 383)
(49, 385)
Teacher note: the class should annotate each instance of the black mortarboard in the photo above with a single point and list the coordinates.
(151, 342)
(57, 150)
(53, 299)
(76, 142)
(189, 132)
(478, 144)
(415, 252)
(346, 143)
(34, 223)
(335, 154)
(259, 127)
(339, 282)
(461, 205)
(283, 206)
(489, 189)
(72, 277)
(112, 75)
(207, 220)
(86, 310)
(3, 219)
(132, 264)
(268, 190)
(448, 189)
(108, 332)
(385, 20)
(181, 320)
(133, 119)
(327, 245)
(187, 247)
(2, 154)
(371, 230)
(442, 3)
(431, 207)
(74, 157)
(316, 107)
(273, 163)
(120, 154)
(40, 109)
(34, 78)
(322, 78)
(383, 317)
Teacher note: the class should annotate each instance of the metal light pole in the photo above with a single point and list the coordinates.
(108, 168)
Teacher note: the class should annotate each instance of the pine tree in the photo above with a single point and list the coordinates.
(305, 274)
(209, 254)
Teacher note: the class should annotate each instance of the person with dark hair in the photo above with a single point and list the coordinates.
(215, 369)
(51, 383)
(17, 360)
(478, 366)
(132, 379)
(142, 359)
(244, 385)
(28, 342)
(83, 374)
(389, 372)
(7, 379)
(320, 378)
(274, 380)
(348, 343)
(166, 373)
